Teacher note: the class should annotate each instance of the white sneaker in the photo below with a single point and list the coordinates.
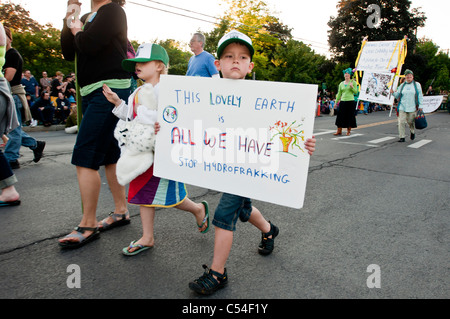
(33, 123)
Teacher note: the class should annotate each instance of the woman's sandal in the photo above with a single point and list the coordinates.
(267, 244)
(81, 239)
(119, 220)
(206, 219)
(140, 248)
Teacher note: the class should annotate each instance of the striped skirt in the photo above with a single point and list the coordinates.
(152, 191)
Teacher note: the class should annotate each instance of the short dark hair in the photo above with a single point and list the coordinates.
(119, 2)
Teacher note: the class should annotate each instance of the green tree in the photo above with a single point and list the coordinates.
(351, 26)
(178, 58)
(430, 65)
(253, 18)
(213, 37)
(39, 45)
(335, 76)
(296, 62)
(277, 56)
(17, 18)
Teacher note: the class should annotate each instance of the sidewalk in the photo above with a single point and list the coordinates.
(42, 128)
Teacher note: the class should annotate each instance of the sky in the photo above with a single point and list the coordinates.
(164, 19)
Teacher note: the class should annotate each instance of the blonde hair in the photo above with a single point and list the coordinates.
(165, 68)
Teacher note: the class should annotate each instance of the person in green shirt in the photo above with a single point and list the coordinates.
(346, 98)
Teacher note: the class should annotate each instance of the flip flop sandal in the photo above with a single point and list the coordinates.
(140, 248)
(206, 219)
(82, 240)
(12, 203)
(119, 220)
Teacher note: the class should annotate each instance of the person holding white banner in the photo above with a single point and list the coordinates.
(410, 99)
(235, 52)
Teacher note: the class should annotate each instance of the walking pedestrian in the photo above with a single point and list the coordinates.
(99, 41)
(17, 137)
(136, 163)
(8, 121)
(235, 54)
(410, 99)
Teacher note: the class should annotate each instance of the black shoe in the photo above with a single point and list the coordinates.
(413, 136)
(207, 284)
(402, 139)
(14, 164)
(267, 244)
(38, 151)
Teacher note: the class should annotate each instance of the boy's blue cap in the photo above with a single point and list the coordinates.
(234, 36)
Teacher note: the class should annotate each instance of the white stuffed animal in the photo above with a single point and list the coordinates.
(137, 137)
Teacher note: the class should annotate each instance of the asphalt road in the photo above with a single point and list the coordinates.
(375, 225)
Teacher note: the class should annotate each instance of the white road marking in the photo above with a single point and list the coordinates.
(323, 133)
(420, 143)
(346, 137)
(368, 145)
(380, 140)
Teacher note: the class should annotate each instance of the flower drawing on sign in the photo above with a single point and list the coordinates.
(290, 135)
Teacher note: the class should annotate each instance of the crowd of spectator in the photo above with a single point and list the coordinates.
(329, 106)
(51, 100)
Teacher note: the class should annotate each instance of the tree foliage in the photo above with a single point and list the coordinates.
(278, 56)
(351, 26)
(267, 32)
(177, 57)
(431, 66)
(39, 45)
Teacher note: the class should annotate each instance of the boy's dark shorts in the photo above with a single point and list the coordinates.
(230, 208)
(96, 145)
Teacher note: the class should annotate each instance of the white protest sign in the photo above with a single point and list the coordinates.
(431, 103)
(236, 136)
(380, 56)
(375, 88)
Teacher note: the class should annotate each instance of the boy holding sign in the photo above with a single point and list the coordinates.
(235, 54)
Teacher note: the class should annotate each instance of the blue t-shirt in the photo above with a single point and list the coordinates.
(202, 65)
(30, 85)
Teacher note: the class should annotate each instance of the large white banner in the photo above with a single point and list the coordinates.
(380, 56)
(236, 136)
(431, 103)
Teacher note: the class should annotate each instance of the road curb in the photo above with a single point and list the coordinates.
(41, 128)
